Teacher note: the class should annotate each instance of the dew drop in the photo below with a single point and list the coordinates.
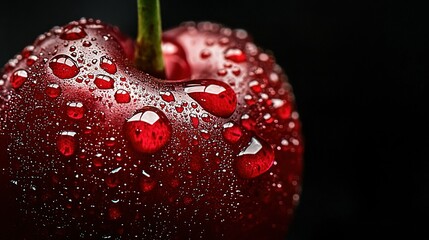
(122, 96)
(255, 86)
(148, 130)
(167, 96)
(86, 43)
(53, 90)
(104, 82)
(215, 97)
(247, 122)
(283, 108)
(63, 66)
(31, 60)
(107, 65)
(205, 53)
(147, 184)
(27, 51)
(18, 78)
(66, 143)
(114, 213)
(255, 159)
(231, 132)
(205, 117)
(75, 110)
(98, 160)
(194, 120)
(205, 134)
(235, 55)
(73, 32)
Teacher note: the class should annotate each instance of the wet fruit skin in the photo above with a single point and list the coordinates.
(92, 148)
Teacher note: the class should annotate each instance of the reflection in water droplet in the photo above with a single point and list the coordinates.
(215, 97)
(53, 90)
(75, 110)
(86, 43)
(104, 82)
(148, 130)
(247, 122)
(122, 96)
(66, 143)
(255, 159)
(31, 60)
(235, 55)
(232, 133)
(18, 78)
(63, 66)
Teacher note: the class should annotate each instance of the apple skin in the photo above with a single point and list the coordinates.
(92, 147)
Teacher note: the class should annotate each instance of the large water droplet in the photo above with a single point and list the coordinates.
(215, 97)
(148, 130)
(194, 119)
(104, 82)
(73, 32)
(75, 110)
(107, 65)
(53, 90)
(255, 159)
(235, 55)
(122, 96)
(18, 78)
(66, 143)
(231, 132)
(63, 66)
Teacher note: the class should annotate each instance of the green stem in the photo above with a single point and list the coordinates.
(148, 53)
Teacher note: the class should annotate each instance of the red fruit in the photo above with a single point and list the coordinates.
(92, 148)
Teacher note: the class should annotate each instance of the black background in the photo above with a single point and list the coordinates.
(360, 76)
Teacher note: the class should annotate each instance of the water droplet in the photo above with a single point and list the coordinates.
(179, 108)
(215, 97)
(247, 122)
(98, 160)
(205, 134)
(205, 53)
(122, 96)
(255, 159)
(255, 86)
(72, 48)
(75, 110)
(104, 82)
(223, 41)
(236, 71)
(110, 141)
(167, 96)
(86, 43)
(53, 90)
(147, 184)
(194, 120)
(148, 130)
(31, 60)
(205, 117)
(18, 78)
(194, 105)
(73, 32)
(231, 132)
(66, 143)
(114, 213)
(268, 118)
(221, 72)
(283, 108)
(63, 66)
(249, 100)
(107, 65)
(27, 51)
(235, 55)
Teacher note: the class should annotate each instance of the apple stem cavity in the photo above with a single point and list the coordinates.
(148, 52)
